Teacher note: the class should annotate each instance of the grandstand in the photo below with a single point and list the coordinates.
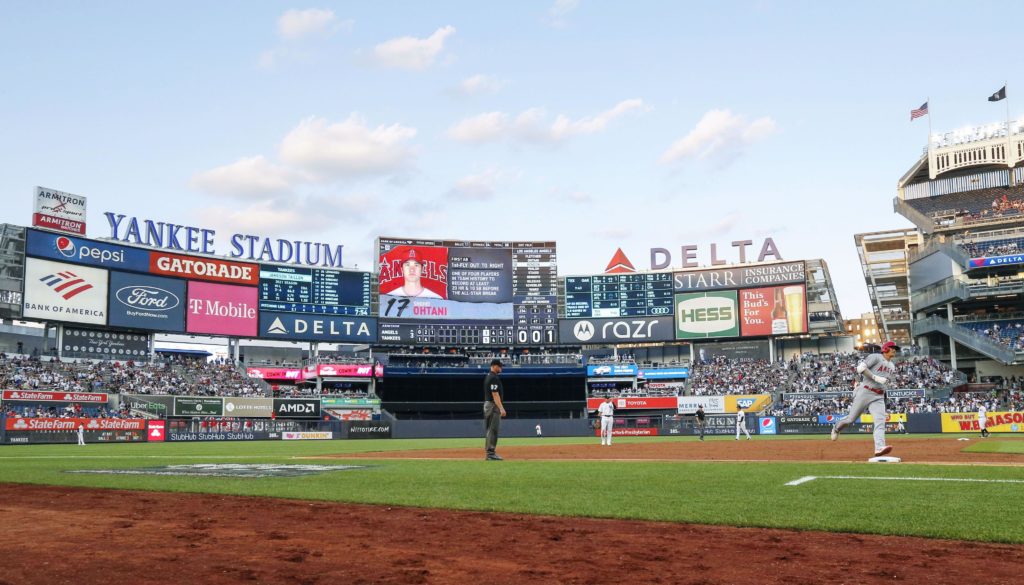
(965, 195)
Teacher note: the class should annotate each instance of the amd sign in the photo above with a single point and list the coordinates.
(638, 329)
(296, 408)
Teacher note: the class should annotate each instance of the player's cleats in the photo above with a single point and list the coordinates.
(835, 433)
(494, 457)
(884, 451)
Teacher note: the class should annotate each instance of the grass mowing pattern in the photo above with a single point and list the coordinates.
(996, 446)
(741, 494)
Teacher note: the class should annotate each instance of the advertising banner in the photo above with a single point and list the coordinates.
(55, 291)
(72, 424)
(34, 396)
(57, 210)
(997, 422)
(779, 310)
(904, 393)
(617, 370)
(343, 370)
(707, 315)
(752, 402)
(739, 351)
(664, 373)
(156, 431)
(306, 436)
(653, 402)
(634, 432)
(221, 309)
(369, 430)
(203, 268)
(995, 261)
(285, 374)
(766, 425)
(297, 407)
(100, 344)
(346, 402)
(623, 330)
(82, 251)
(177, 436)
(711, 404)
(248, 407)
(302, 327)
(740, 277)
(890, 417)
(141, 301)
(198, 406)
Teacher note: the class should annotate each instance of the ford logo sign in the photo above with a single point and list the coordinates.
(150, 298)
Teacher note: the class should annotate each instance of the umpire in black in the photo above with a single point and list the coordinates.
(493, 409)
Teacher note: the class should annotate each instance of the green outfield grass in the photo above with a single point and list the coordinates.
(994, 445)
(741, 494)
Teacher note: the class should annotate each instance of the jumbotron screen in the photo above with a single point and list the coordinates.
(444, 292)
(618, 295)
(294, 289)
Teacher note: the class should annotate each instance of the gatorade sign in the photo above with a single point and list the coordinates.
(155, 431)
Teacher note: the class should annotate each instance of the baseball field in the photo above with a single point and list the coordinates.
(557, 510)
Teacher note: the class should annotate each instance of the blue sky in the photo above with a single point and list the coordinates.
(595, 124)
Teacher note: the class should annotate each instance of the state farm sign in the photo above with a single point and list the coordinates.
(72, 424)
(33, 396)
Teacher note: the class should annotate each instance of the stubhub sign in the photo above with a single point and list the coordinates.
(67, 248)
(304, 327)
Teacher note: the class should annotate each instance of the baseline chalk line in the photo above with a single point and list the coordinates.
(809, 478)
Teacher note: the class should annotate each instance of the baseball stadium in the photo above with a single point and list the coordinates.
(676, 425)
(524, 293)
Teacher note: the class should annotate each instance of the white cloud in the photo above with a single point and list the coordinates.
(411, 52)
(266, 218)
(579, 197)
(721, 135)
(297, 24)
(477, 187)
(480, 83)
(349, 148)
(559, 10)
(252, 176)
(480, 128)
(532, 125)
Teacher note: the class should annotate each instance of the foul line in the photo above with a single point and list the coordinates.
(810, 478)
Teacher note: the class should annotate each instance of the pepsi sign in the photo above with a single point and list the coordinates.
(81, 251)
(141, 301)
(767, 426)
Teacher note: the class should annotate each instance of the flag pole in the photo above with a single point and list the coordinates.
(1009, 142)
(929, 102)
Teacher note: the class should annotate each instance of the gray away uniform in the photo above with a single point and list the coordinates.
(869, 395)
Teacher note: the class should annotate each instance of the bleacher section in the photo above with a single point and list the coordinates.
(972, 206)
(1009, 332)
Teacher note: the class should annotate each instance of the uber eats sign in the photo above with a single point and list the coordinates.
(707, 314)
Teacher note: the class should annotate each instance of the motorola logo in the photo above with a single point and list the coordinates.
(583, 330)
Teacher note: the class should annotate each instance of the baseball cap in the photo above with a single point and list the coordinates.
(890, 345)
(411, 255)
(495, 362)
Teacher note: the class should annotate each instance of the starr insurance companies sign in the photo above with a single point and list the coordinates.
(57, 210)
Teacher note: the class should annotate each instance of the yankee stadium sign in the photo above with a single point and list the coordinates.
(170, 236)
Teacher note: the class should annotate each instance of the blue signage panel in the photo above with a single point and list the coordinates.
(666, 373)
(612, 370)
(305, 327)
(67, 248)
(995, 261)
(141, 301)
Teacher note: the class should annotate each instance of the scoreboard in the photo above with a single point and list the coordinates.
(293, 289)
(445, 292)
(618, 295)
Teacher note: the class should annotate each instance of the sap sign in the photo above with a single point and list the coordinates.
(141, 301)
(615, 330)
(707, 314)
(303, 327)
(629, 370)
(81, 251)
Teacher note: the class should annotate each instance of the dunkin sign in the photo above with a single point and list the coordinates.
(221, 309)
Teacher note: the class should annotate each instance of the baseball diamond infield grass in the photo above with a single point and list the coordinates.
(905, 503)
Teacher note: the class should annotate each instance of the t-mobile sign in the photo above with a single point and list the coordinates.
(222, 309)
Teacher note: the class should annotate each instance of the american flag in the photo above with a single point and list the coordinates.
(919, 111)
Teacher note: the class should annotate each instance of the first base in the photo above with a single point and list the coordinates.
(884, 459)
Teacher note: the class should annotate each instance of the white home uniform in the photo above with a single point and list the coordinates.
(983, 420)
(869, 394)
(741, 424)
(81, 435)
(540, 433)
(607, 412)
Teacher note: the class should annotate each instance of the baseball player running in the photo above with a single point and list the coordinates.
(741, 424)
(875, 370)
(607, 412)
(983, 420)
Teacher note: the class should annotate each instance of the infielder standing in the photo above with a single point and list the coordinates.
(741, 424)
(607, 412)
(700, 421)
(869, 394)
(983, 420)
(81, 434)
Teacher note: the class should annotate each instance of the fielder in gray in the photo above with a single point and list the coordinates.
(869, 394)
